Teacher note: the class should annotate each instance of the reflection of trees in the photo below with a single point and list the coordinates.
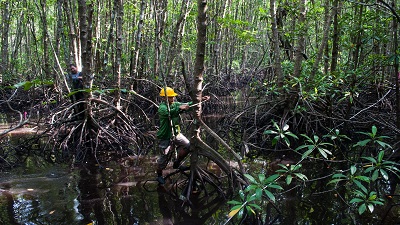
(197, 212)
(89, 196)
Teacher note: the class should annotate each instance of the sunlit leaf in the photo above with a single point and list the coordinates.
(353, 169)
(384, 174)
(232, 213)
(371, 207)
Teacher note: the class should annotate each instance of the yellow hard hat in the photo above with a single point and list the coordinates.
(170, 92)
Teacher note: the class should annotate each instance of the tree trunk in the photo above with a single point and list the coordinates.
(324, 41)
(5, 28)
(300, 49)
(335, 42)
(275, 43)
(176, 38)
(85, 25)
(160, 14)
(119, 26)
(135, 58)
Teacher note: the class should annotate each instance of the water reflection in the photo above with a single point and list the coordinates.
(93, 194)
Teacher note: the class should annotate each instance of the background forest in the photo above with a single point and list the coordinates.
(294, 83)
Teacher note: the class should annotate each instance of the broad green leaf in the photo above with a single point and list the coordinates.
(370, 159)
(258, 193)
(269, 195)
(261, 177)
(358, 183)
(383, 144)
(380, 156)
(362, 143)
(305, 154)
(363, 178)
(356, 200)
(362, 209)
(384, 174)
(251, 179)
(233, 202)
(375, 175)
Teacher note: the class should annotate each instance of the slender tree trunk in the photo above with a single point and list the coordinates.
(196, 91)
(300, 49)
(135, 58)
(159, 20)
(326, 28)
(75, 48)
(5, 25)
(336, 33)
(176, 39)
(275, 43)
(119, 14)
(46, 64)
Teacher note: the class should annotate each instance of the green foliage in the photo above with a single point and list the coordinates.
(355, 181)
(377, 166)
(314, 143)
(281, 134)
(29, 84)
(365, 199)
(373, 139)
(290, 172)
(252, 196)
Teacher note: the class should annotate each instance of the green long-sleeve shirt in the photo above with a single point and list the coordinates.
(165, 132)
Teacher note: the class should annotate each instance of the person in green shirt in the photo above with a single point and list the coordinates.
(169, 130)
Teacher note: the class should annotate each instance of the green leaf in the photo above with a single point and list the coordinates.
(380, 156)
(258, 193)
(270, 132)
(305, 154)
(362, 143)
(255, 206)
(272, 178)
(362, 209)
(383, 144)
(353, 170)
(289, 179)
(373, 160)
(233, 202)
(375, 175)
(374, 130)
(339, 175)
(356, 200)
(250, 178)
(363, 178)
(261, 177)
(358, 183)
(269, 195)
(384, 174)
